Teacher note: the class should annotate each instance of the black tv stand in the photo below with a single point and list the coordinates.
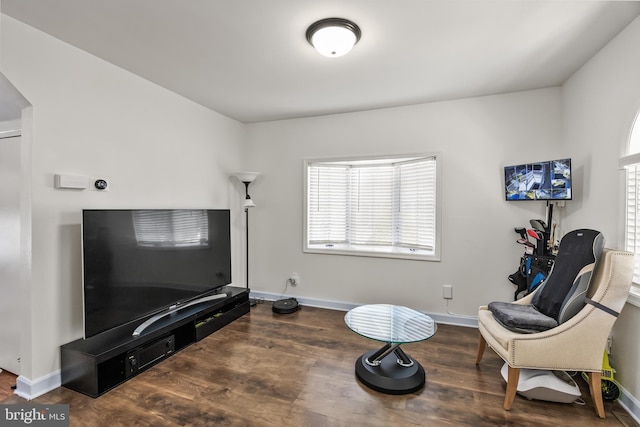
(99, 363)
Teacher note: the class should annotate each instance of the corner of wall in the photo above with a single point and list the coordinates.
(28, 389)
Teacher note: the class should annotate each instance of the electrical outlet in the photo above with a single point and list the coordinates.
(294, 279)
(447, 291)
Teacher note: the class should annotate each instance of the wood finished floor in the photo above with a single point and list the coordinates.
(266, 369)
(7, 381)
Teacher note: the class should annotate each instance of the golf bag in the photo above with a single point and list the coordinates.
(532, 271)
(537, 260)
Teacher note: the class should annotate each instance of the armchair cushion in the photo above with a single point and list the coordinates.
(521, 318)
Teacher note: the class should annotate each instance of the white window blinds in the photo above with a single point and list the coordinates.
(328, 202)
(371, 205)
(632, 225)
(387, 203)
(417, 205)
(631, 165)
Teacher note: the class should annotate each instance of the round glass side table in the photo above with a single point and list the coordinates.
(389, 369)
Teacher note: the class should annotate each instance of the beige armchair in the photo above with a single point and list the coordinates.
(575, 345)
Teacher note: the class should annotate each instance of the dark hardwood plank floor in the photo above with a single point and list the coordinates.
(266, 369)
(7, 381)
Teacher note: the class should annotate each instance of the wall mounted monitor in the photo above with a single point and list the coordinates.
(549, 180)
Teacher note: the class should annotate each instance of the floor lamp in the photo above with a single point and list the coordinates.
(247, 178)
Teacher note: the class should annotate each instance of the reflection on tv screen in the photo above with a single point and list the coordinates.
(549, 180)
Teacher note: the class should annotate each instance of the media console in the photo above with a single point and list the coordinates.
(99, 363)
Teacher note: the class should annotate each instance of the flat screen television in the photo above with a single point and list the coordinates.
(140, 262)
(550, 180)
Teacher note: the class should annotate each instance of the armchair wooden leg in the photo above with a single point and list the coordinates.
(482, 344)
(512, 387)
(595, 388)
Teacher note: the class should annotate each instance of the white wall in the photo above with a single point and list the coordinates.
(92, 118)
(10, 284)
(10, 126)
(599, 105)
(476, 137)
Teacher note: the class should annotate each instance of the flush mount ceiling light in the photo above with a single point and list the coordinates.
(333, 37)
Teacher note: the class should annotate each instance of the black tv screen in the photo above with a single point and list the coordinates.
(550, 180)
(139, 262)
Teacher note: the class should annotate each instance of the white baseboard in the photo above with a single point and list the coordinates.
(630, 404)
(28, 389)
(443, 318)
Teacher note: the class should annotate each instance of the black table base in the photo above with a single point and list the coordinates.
(390, 370)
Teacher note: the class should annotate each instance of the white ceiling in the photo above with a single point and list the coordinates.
(249, 59)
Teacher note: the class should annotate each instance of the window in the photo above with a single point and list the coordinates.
(373, 207)
(631, 164)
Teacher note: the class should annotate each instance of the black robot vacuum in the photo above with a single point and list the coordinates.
(285, 306)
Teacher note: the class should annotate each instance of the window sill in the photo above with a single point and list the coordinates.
(373, 251)
(634, 296)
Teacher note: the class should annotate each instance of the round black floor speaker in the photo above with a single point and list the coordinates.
(285, 306)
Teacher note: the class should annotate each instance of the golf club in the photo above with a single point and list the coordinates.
(522, 232)
(538, 224)
(526, 243)
(535, 234)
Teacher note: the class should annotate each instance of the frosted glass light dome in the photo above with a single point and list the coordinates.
(333, 37)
